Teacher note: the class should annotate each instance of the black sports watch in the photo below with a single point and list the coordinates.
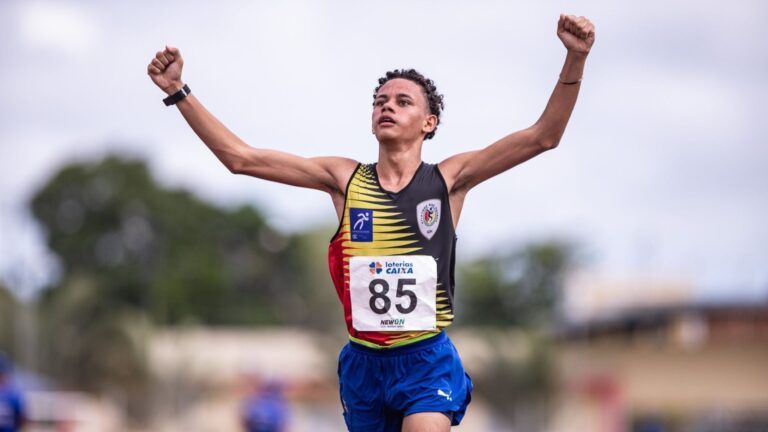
(176, 97)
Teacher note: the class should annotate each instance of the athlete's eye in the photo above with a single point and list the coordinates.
(404, 102)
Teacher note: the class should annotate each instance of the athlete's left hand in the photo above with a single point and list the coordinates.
(577, 33)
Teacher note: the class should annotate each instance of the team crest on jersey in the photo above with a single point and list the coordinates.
(428, 215)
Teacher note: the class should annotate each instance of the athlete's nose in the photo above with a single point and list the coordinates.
(387, 106)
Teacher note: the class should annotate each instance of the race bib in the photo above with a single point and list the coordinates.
(393, 293)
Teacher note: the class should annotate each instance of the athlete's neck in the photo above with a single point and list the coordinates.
(397, 164)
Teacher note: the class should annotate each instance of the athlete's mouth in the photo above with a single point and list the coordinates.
(386, 120)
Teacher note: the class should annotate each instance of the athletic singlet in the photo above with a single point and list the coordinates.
(392, 258)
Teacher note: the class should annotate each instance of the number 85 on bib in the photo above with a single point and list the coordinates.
(393, 293)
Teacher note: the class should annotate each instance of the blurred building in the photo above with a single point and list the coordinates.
(49, 409)
(218, 365)
(660, 362)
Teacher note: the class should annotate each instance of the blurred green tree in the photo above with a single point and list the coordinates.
(518, 288)
(135, 254)
(157, 250)
(7, 312)
(510, 299)
(312, 302)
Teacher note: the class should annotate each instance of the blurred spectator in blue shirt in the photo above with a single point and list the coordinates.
(265, 409)
(12, 416)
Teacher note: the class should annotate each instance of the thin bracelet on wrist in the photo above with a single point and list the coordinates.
(569, 82)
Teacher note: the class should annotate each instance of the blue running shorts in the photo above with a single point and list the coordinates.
(381, 386)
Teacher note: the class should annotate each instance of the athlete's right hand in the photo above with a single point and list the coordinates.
(165, 70)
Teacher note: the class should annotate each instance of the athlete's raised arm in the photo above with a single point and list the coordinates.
(329, 174)
(464, 171)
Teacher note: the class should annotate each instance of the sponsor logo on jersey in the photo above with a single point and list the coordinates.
(397, 322)
(398, 267)
(375, 267)
(391, 267)
(361, 221)
(428, 216)
(440, 392)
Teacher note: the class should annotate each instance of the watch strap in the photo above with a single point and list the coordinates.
(176, 97)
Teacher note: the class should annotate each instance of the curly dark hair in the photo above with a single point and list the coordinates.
(434, 99)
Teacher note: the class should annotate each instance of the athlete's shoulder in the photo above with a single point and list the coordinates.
(434, 171)
(368, 169)
(337, 163)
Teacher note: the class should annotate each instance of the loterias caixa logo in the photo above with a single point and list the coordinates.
(401, 266)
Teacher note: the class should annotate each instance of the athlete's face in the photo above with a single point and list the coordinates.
(400, 112)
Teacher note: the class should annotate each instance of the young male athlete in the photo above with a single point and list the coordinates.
(392, 258)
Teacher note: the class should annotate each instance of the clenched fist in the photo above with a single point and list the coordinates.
(576, 33)
(165, 70)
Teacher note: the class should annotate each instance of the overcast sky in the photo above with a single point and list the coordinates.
(662, 170)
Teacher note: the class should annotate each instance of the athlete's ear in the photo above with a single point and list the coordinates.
(430, 123)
